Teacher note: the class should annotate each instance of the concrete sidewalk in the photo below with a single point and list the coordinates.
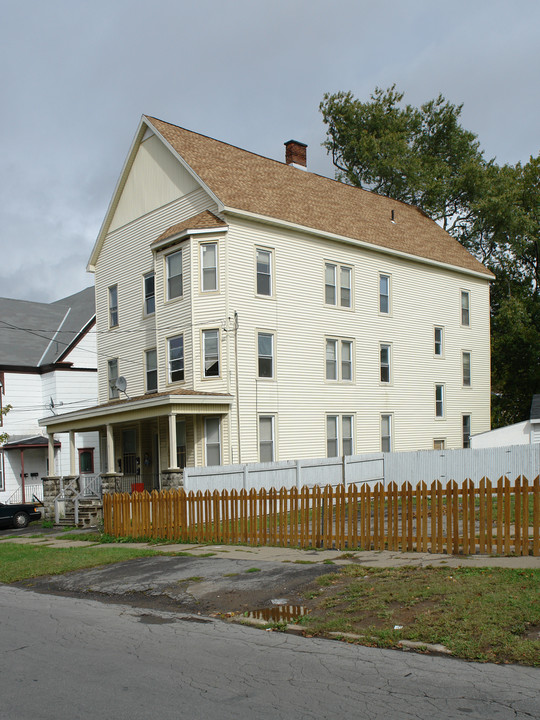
(369, 558)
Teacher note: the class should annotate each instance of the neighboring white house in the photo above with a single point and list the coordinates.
(47, 365)
(254, 311)
(526, 432)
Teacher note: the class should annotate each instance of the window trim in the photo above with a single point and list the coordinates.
(147, 297)
(441, 440)
(337, 284)
(113, 314)
(272, 335)
(220, 440)
(388, 295)
(466, 378)
(339, 439)
(203, 353)
(86, 450)
(435, 353)
(338, 359)
(170, 380)
(113, 393)
(467, 294)
(441, 402)
(169, 277)
(272, 418)
(388, 347)
(390, 435)
(202, 247)
(270, 275)
(147, 371)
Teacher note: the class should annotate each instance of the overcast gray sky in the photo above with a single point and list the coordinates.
(78, 74)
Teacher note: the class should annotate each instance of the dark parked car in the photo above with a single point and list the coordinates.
(19, 515)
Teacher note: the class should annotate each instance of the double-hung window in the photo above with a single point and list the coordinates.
(337, 285)
(176, 358)
(209, 267)
(113, 306)
(339, 360)
(150, 359)
(384, 356)
(438, 340)
(266, 438)
(339, 435)
(384, 294)
(466, 365)
(465, 308)
(211, 353)
(149, 283)
(265, 353)
(386, 433)
(264, 272)
(112, 376)
(439, 401)
(212, 440)
(466, 428)
(175, 287)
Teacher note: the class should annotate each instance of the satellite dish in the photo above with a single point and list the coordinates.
(121, 383)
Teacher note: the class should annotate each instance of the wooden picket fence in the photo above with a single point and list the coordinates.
(501, 518)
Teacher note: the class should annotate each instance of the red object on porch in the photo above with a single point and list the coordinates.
(137, 487)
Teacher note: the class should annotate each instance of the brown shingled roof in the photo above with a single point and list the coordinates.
(245, 181)
(205, 220)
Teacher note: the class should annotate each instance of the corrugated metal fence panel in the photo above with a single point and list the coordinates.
(413, 467)
(460, 465)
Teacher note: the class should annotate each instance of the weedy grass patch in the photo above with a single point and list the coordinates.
(482, 614)
(20, 562)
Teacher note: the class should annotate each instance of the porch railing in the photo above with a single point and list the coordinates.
(29, 492)
(137, 483)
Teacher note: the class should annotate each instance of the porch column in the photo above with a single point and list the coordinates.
(51, 454)
(110, 449)
(72, 466)
(173, 462)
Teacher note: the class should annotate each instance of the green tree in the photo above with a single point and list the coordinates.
(424, 156)
(4, 436)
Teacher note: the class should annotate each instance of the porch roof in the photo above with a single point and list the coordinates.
(174, 402)
(25, 443)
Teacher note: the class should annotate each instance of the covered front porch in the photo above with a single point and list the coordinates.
(145, 442)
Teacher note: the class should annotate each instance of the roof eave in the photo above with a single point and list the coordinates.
(178, 237)
(487, 275)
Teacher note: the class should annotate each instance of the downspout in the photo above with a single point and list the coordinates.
(237, 388)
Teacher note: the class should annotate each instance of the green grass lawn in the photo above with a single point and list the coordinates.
(19, 562)
(482, 614)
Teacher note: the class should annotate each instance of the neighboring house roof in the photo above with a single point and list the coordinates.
(535, 408)
(36, 335)
(244, 181)
(23, 443)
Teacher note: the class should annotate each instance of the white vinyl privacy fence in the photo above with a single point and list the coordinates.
(398, 467)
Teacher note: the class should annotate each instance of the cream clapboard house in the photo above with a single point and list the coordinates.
(255, 311)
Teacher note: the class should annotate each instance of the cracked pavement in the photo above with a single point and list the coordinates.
(64, 657)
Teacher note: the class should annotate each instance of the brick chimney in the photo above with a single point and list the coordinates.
(295, 153)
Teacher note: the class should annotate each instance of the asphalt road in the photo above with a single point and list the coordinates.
(63, 658)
